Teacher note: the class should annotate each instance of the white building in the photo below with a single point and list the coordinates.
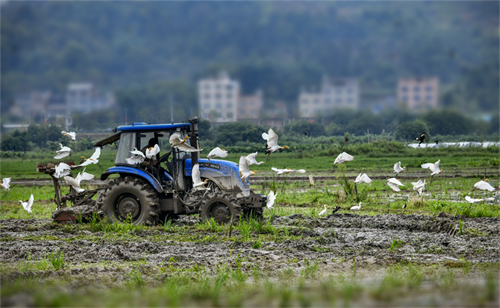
(335, 93)
(84, 97)
(218, 96)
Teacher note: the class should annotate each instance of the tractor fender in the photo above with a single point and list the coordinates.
(148, 177)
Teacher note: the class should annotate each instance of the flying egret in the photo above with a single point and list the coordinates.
(27, 205)
(418, 186)
(394, 184)
(93, 159)
(137, 158)
(471, 200)
(245, 171)
(356, 207)
(71, 135)
(433, 167)
(323, 212)
(152, 151)
(198, 184)
(421, 138)
(362, 178)
(311, 179)
(75, 182)
(63, 152)
(287, 170)
(251, 158)
(176, 142)
(398, 168)
(483, 185)
(272, 142)
(5, 183)
(270, 199)
(62, 169)
(343, 157)
(217, 152)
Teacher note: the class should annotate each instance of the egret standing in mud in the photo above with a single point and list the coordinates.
(356, 207)
(323, 212)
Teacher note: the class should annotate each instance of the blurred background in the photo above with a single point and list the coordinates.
(312, 68)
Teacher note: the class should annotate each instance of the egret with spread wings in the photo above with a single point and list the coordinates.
(180, 144)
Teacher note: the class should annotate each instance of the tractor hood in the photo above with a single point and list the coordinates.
(224, 173)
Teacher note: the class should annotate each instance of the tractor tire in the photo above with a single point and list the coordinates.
(221, 206)
(130, 199)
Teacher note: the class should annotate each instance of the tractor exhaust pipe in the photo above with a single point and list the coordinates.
(194, 139)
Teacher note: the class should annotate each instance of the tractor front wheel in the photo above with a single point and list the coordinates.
(222, 207)
(130, 199)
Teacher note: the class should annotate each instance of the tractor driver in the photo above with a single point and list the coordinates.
(150, 164)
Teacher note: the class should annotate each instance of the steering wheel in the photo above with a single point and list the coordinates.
(165, 156)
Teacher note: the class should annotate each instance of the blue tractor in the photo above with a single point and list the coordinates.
(163, 188)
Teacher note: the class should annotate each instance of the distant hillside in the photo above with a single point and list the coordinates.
(276, 46)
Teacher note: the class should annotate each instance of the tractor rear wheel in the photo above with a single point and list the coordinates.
(130, 199)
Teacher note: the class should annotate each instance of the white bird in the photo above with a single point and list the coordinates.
(198, 184)
(75, 182)
(251, 159)
(152, 151)
(5, 183)
(471, 200)
(483, 185)
(356, 207)
(398, 168)
(394, 184)
(323, 211)
(62, 169)
(27, 205)
(311, 179)
(137, 158)
(287, 170)
(362, 178)
(343, 157)
(93, 159)
(176, 142)
(272, 142)
(418, 186)
(245, 171)
(270, 199)
(217, 152)
(433, 167)
(63, 152)
(71, 135)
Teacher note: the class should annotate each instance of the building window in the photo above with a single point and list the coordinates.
(305, 101)
(219, 114)
(428, 88)
(349, 100)
(416, 88)
(229, 96)
(328, 101)
(316, 100)
(229, 87)
(416, 98)
(316, 110)
(255, 112)
(207, 96)
(338, 101)
(207, 106)
(404, 89)
(217, 86)
(207, 86)
(217, 95)
(350, 90)
(229, 105)
(229, 115)
(218, 105)
(339, 91)
(404, 98)
(428, 98)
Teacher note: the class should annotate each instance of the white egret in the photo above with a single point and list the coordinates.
(137, 158)
(311, 179)
(362, 178)
(217, 152)
(287, 170)
(251, 158)
(75, 182)
(270, 199)
(198, 184)
(418, 186)
(272, 142)
(176, 142)
(343, 157)
(398, 168)
(93, 159)
(136, 152)
(483, 185)
(63, 152)
(71, 135)
(152, 151)
(62, 169)
(5, 183)
(394, 184)
(323, 212)
(433, 167)
(471, 200)
(356, 207)
(27, 205)
(245, 171)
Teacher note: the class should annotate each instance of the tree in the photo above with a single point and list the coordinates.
(302, 126)
(231, 133)
(410, 130)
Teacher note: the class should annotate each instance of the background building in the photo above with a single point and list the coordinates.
(218, 98)
(335, 93)
(84, 97)
(250, 107)
(419, 94)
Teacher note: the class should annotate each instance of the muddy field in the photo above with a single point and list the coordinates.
(336, 244)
